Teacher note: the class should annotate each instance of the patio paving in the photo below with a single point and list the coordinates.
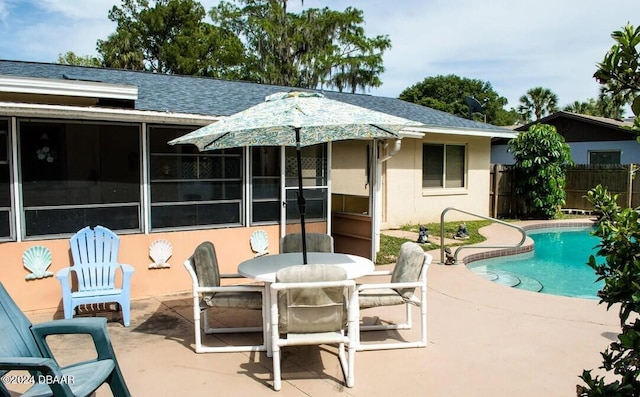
(484, 340)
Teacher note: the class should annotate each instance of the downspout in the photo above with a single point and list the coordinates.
(377, 192)
(397, 145)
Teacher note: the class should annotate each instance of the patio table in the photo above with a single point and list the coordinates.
(264, 269)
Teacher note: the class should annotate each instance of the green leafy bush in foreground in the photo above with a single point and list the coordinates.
(619, 230)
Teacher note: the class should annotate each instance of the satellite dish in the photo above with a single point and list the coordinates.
(474, 105)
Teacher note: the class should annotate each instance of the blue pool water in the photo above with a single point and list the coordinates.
(557, 265)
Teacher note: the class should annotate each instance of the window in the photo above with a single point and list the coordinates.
(79, 174)
(5, 181)
(604, 157)
(443, 166)
(192, 188)
(265, 185)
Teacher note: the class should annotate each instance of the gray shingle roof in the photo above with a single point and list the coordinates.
(603, 121)
(207, 96)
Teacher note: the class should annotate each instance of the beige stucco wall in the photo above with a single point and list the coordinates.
(408, 203)
(404, 200)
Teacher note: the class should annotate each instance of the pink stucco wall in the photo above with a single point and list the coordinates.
(232, 247)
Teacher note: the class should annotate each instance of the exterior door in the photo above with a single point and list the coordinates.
(315, 183)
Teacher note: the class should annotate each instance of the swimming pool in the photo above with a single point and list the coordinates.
(557, 265)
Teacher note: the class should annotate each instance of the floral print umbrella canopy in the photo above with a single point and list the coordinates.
(296, 119)
(275, 121)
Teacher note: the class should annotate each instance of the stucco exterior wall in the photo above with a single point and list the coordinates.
(232, 247)
(404, 199)
(408, 203)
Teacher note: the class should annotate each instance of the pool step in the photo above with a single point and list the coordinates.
(509, 279)
(530, 284)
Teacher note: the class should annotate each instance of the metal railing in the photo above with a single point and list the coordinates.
(475, 246)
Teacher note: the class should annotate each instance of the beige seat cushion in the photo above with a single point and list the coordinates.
(316, 242)
(410, 260)
(380, 297)
(408, 267)
(311, 310)
(205, 264)
(234, 300)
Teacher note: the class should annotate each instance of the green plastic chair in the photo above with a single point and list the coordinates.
(23, 347)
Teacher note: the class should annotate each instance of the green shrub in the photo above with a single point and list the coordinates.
(619, 230)
(541, 158)
(605, 206)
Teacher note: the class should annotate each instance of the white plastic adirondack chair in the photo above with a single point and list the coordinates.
(95, 262)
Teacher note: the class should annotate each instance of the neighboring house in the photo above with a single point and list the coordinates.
(593, 140)
(83, 146)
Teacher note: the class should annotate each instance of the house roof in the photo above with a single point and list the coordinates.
(575, 127)
(601, 121)
(214, 97)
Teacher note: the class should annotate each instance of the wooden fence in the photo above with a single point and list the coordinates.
(617, 178)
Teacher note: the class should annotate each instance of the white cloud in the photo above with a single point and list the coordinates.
(39, 30)
(78, 9)
(3, 11)
(513, 44)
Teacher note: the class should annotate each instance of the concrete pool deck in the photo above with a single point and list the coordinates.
(484, 340)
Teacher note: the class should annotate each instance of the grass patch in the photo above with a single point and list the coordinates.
(390, 246)
(450, 229)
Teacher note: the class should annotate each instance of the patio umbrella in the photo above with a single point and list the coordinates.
(296, 119)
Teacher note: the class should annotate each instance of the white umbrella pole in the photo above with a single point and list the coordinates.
(302, 203)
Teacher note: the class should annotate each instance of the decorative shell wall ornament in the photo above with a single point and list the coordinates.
(259, 242)
(37, 259)
(160, 251)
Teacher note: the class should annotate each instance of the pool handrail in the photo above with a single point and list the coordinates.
(475, 246)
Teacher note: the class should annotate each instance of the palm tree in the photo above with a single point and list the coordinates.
(538, 101)
(611, 104)
(580, 107)
(607, 105)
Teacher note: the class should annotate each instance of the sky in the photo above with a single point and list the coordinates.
(514, 45)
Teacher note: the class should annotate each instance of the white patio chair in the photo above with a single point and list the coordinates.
(409, 274)
(314, 305)
(208, 293)
(316, 242)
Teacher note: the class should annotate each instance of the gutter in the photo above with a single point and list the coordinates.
(397, 145)
(487, 133)
(103, 114)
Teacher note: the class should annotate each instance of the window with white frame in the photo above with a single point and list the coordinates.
(192, 188)
(443, 166)
(77, 174)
